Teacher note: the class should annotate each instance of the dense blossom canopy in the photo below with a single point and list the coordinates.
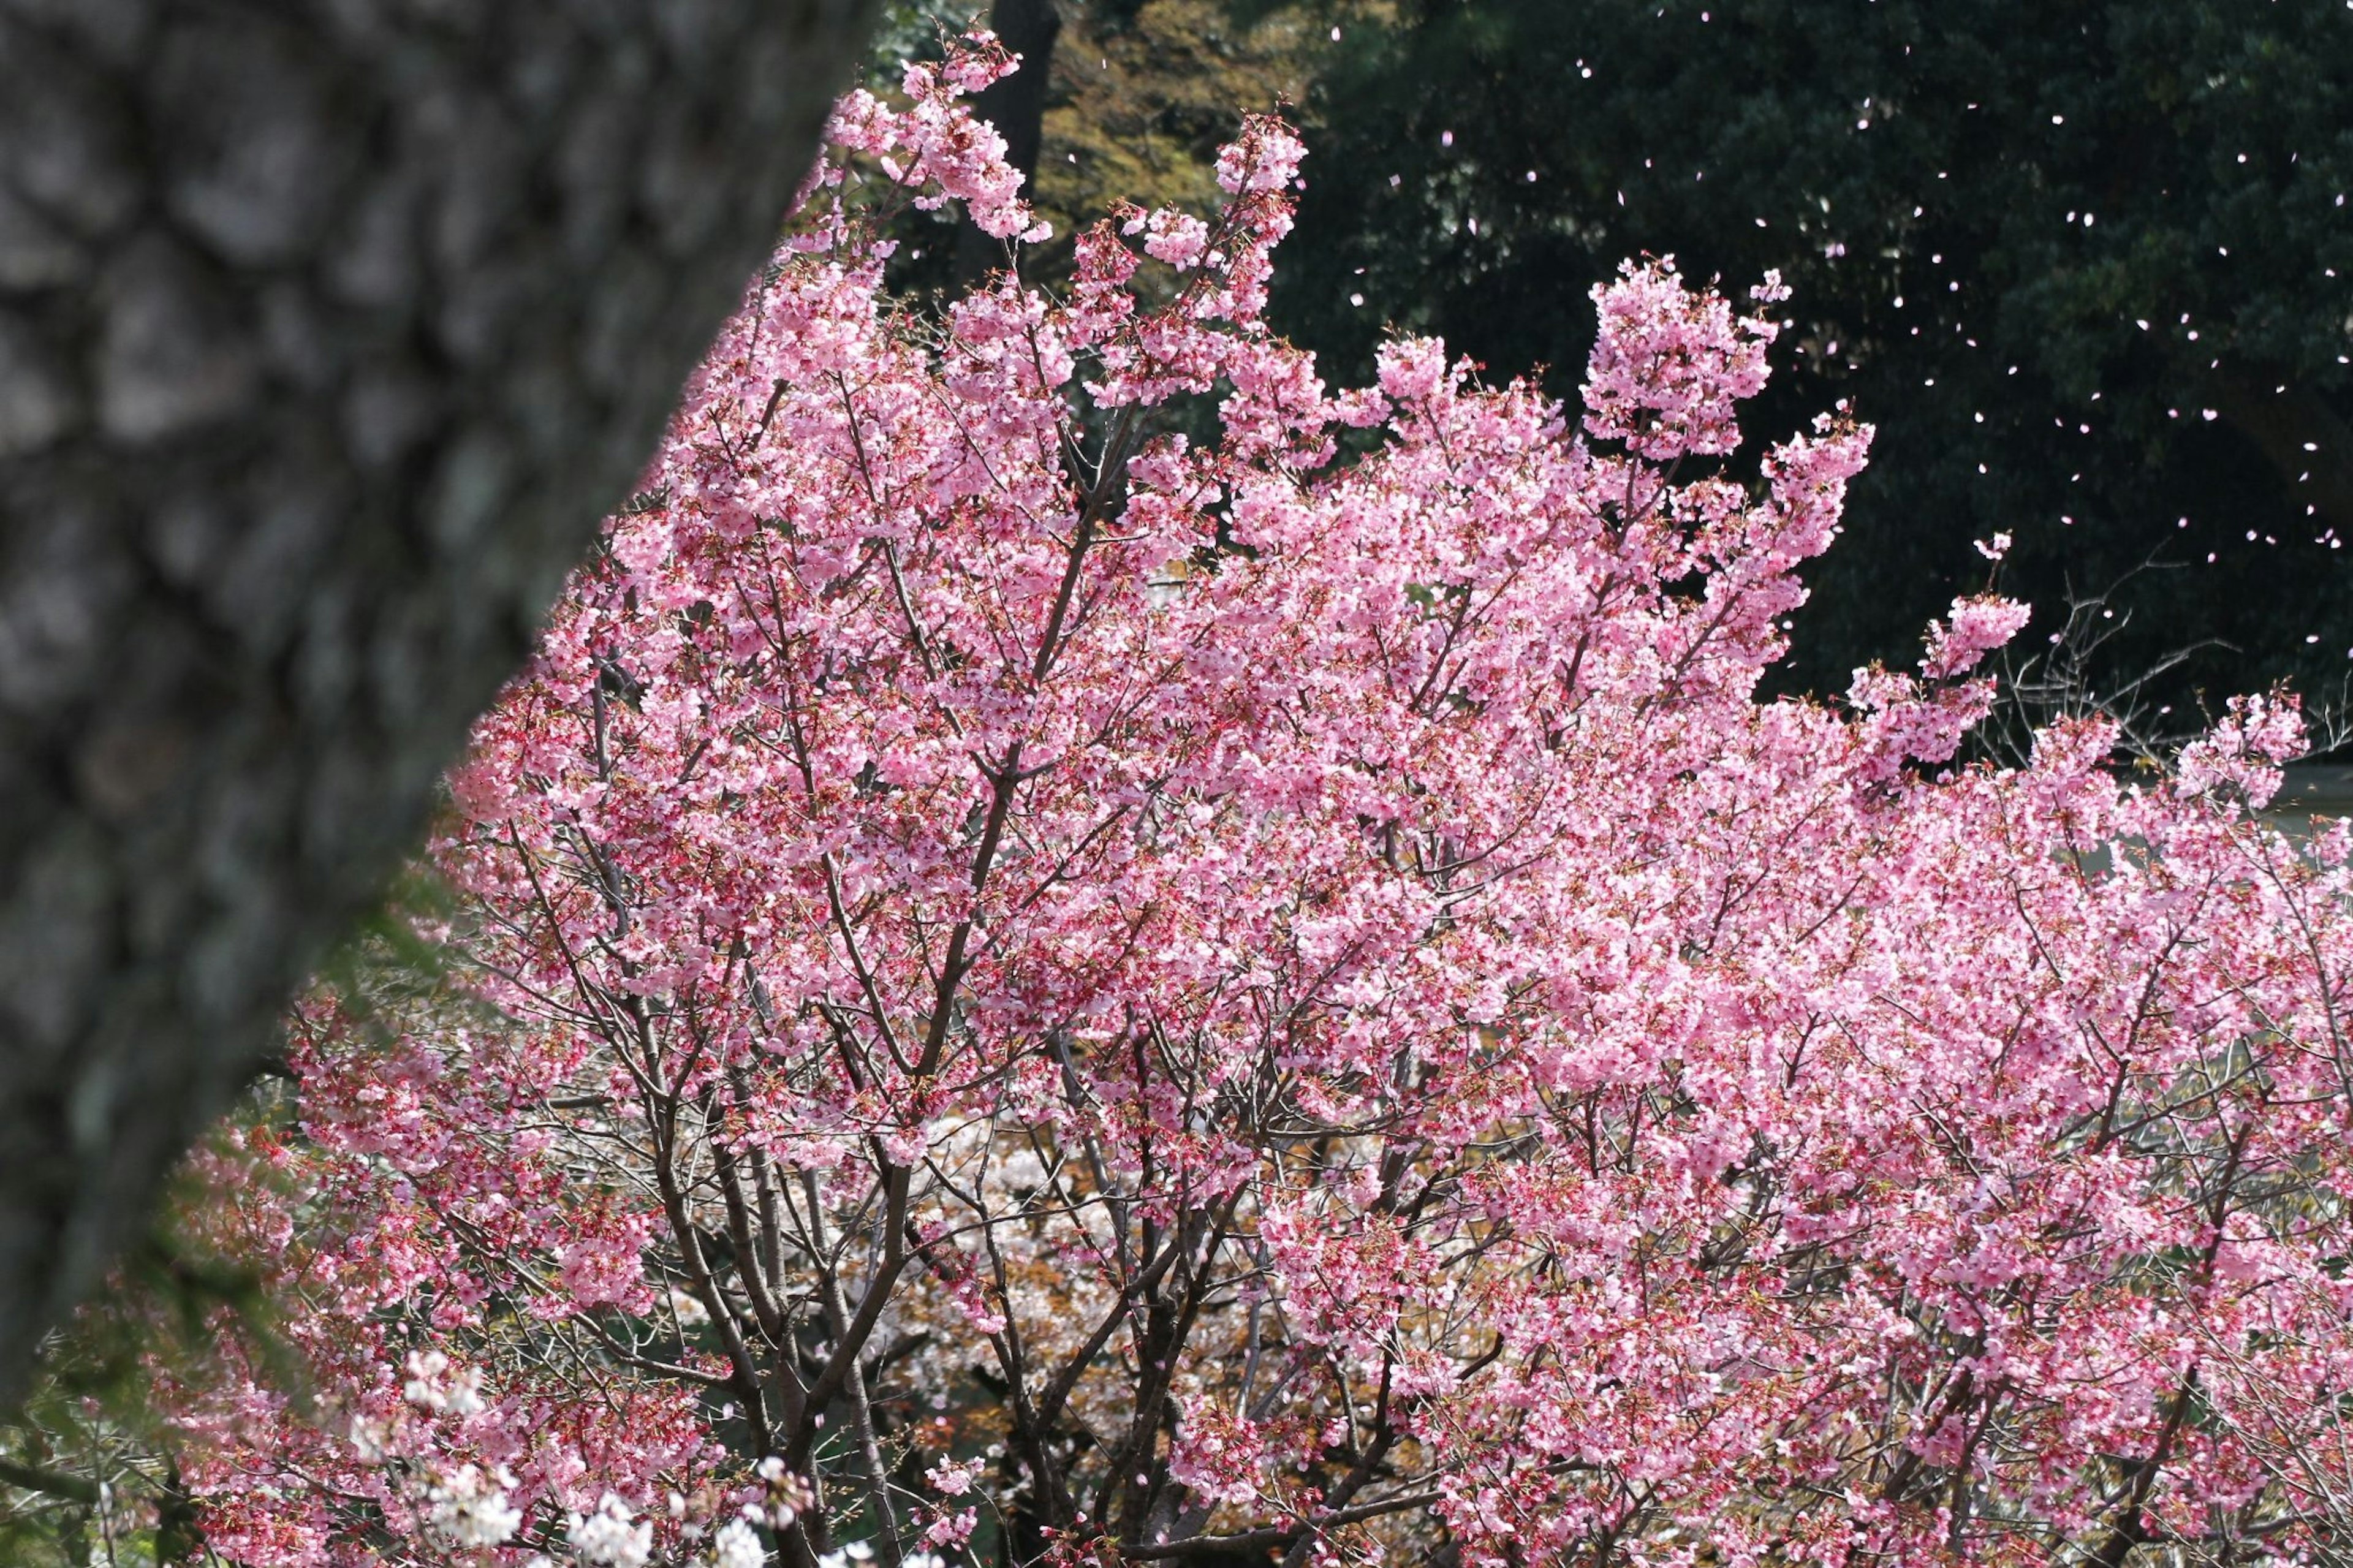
(1078, 948)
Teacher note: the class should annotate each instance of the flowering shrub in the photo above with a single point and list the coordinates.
(1080, 948)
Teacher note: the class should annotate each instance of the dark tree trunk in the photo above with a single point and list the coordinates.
(328, 329)
(1016, 107)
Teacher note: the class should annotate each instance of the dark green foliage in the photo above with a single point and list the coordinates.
(1952, 148)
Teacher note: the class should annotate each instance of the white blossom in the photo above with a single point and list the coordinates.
(471, 1508)
(370, 1441)
(608, 1539)
(737, 1545)
(428, 1388)
(855, 1551)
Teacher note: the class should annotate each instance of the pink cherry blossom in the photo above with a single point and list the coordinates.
(1080, 948)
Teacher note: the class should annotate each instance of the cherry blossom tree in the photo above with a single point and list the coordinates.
(1080, 948)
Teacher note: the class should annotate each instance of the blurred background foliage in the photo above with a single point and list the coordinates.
(1140, 96)
(2088, 267)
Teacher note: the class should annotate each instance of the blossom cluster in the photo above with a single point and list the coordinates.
(1078, 945)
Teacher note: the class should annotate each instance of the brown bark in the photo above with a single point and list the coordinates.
(328, 329)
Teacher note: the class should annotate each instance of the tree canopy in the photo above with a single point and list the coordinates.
(1084, 947)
